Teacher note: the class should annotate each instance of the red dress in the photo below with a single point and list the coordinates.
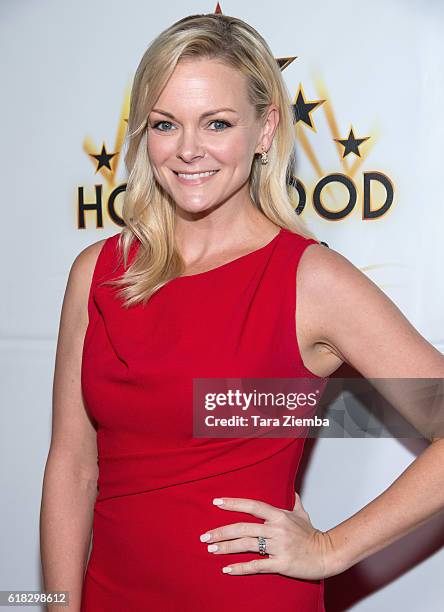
(156, 482)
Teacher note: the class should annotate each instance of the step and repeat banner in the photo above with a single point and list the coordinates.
(367, 85)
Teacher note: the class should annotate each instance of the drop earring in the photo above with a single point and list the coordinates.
(264, 157)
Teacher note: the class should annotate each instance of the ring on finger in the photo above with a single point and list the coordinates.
(262, 545)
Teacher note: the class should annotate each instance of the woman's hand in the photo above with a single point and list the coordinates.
(293, 546)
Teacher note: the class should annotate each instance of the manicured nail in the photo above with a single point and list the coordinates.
(213, 547)
(226, 570)
(217, 501)
(205, 537)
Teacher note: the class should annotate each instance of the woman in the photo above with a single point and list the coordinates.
(201, 283)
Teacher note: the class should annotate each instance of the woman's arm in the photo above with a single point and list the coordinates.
(414, 498)
(366, 329)
(70, 478)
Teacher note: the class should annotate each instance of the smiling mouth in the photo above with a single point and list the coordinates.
(195, 175)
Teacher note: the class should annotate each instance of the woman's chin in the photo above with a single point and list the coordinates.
(195, 208)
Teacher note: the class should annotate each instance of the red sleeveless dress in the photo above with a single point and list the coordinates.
(156, 482)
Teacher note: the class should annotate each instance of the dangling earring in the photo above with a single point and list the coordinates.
(264, 157)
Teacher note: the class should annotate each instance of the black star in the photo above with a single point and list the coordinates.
(284, 62)
(302, 108)
(103, 159)
(351, 144)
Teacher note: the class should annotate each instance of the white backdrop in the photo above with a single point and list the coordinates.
(67, 68)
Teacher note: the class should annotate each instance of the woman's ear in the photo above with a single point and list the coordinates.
(269, 128)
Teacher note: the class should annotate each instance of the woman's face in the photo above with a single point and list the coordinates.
(189, 133)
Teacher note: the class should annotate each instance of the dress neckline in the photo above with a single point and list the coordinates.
(233, 261)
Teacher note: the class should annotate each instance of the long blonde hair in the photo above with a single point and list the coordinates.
(148, 210)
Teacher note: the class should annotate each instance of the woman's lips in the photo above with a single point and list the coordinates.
(196, 181)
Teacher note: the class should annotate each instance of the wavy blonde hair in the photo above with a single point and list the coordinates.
(148, 210)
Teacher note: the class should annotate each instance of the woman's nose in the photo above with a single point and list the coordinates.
(190, 146)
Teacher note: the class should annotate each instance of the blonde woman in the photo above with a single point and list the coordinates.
(202, 283)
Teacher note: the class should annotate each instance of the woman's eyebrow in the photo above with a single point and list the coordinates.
(208, 113)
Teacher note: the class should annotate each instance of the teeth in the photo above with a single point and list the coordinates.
(194, 176)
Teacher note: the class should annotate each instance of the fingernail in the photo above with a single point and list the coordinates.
(205, 537)
(226, 570)
(217, 501)
(213, 547)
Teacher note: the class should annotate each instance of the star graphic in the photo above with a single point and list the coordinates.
(351, 144)
(103, 159)
(284, 62)
(302, 109)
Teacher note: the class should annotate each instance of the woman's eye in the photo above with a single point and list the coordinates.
(225, 123)
(156, 125)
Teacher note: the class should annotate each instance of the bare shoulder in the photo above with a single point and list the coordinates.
(90, 253)
(319, 262)
(83, 265)
(80, 276)
(345, 314)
